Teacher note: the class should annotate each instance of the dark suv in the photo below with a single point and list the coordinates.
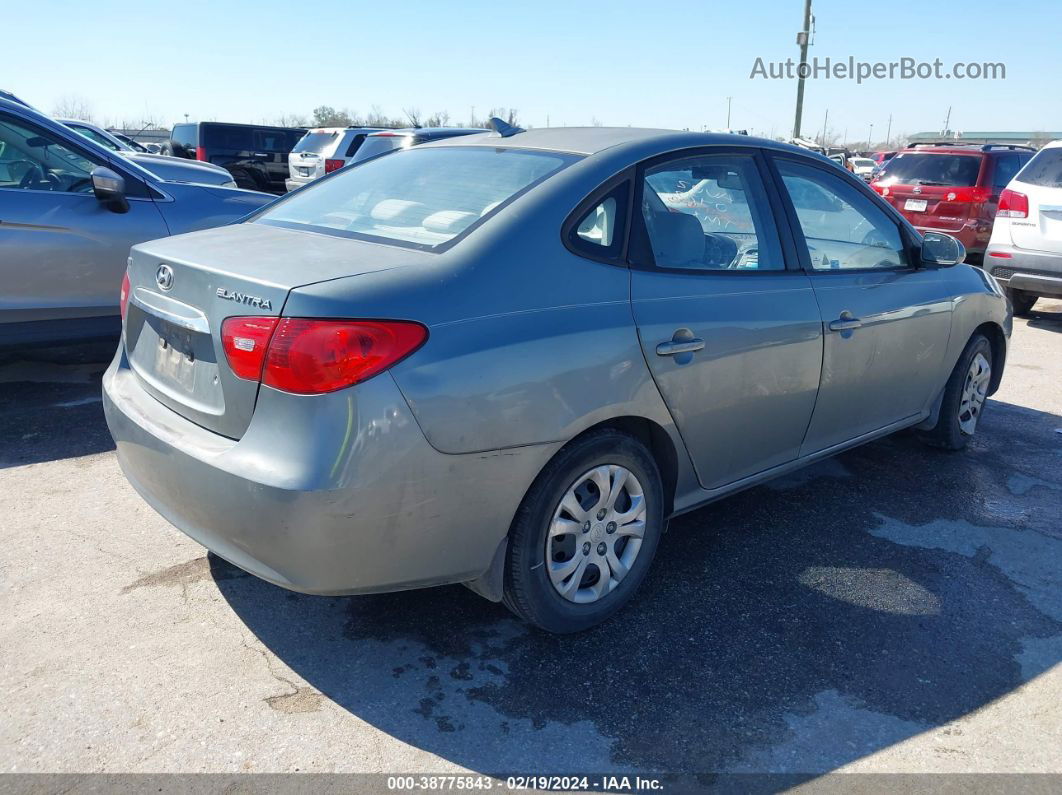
(255, 155)
(952, 187)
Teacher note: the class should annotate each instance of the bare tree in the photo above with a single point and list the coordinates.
(291, 120)
(413, 115)
(72, 106)
(439, 118)
(327, 116)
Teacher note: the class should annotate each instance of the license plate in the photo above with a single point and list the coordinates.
(917, 205)
(174, 361)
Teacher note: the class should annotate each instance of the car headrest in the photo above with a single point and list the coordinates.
(451, 221)
(678, 240)
(399, 211)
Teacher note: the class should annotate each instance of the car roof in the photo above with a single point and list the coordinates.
(428, 132)
(591, 140)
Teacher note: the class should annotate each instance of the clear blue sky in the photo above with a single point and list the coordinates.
(661, 64)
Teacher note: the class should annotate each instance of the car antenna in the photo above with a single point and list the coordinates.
(503, 128)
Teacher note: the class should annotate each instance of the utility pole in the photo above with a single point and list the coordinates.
(728, 113)
(888, 132)
(947, 121)
(802, 39)
(822, 140)
(870, 134)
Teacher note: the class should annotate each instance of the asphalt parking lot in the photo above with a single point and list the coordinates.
(894, 609)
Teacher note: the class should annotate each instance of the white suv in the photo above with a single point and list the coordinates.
(323, 150)
(1025, 252)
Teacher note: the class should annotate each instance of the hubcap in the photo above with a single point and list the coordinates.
(609, 499)
(974, 392)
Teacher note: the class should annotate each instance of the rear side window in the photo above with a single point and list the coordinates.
(710, 213)
(317, 142)
(1045, 169)
(374, 145)
(184, 134)
(1007, 166)
(423, 198)
(355, 143)
(599, 232)
(223, 137)
(918, 168)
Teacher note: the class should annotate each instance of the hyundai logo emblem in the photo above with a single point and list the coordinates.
(164, 277)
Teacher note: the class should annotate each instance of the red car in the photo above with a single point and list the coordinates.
(952, 187)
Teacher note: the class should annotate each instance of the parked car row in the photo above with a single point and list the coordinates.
(1003, 201)
(70, 209)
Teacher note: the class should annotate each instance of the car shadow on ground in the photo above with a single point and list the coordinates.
(792, 628)
(50, 406)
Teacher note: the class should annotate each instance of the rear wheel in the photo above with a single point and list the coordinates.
(585, 535)
(1021, 301)
(964, 396)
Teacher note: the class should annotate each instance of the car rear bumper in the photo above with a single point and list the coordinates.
(330, 494)
(293, 183)
(974, 234)
(1038, 272)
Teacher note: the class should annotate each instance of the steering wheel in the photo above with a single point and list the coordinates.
(875, 238)
(78, 184)
(720, 251)
(33, 177)
(742, 254)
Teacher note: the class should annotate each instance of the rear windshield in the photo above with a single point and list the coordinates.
(316, 141)
(916, 168)
(423, 197)
(1045, 169)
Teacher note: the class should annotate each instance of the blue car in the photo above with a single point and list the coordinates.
(69, 212)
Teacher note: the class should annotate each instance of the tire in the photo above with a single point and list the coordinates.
(1021, 301)
(529, 588)
(959, 412)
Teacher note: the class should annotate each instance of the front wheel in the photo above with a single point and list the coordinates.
(585, 535)
(964, 396)
(1021, 301)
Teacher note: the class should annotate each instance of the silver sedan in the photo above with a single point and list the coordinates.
(507, 359)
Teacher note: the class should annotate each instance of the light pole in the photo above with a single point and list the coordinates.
(870, 135)
(802, 40)
(822, 140)
(728, 113)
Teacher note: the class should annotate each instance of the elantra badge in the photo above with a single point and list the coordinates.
(244, 298)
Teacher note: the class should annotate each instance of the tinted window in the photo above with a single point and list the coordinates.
(1044, 169)
(425, 197)
(184, 134)
(355, 144)
(1007, 166)
(917, 168)
(102, 140)
(275, 140)
(34, 160)
(710, 213)
(316, 141)
(843, 228)
(224, 137)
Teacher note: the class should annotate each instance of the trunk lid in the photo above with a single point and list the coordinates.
(182, 288)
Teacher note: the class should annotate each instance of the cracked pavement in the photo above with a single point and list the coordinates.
(895, 609)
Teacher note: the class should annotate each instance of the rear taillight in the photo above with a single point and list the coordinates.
(309, 357)
(972, 195)
(200, 153)
(1013, 205)
(245, 340)
(123, 295)
(332, 165)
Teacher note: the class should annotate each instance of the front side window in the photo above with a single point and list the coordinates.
(843, 229)
(34, 160)
(710, 213)
(421, 197)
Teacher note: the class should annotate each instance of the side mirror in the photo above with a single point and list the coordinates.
(109, 188)
(941, 251)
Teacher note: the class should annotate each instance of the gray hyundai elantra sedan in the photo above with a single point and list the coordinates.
(507, 359)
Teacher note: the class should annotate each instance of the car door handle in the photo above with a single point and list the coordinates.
(263, 155)
(845, 322)
(675, 347)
